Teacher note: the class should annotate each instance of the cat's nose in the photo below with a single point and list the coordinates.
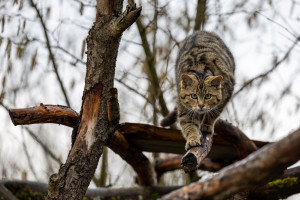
(201, 106)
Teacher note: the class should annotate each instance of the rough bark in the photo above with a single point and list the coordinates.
(193, 158)
(262, 166)
(75, 175)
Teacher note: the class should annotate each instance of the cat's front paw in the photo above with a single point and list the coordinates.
(193, 141)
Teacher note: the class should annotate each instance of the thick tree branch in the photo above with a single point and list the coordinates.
(258, 168)
(134, 157)
(45, 114)
(200, 16)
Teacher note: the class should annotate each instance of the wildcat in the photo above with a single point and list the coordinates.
(205, 80)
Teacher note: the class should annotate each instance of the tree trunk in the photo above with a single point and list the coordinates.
(102, 47)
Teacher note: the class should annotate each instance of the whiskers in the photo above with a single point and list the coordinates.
(192, 114)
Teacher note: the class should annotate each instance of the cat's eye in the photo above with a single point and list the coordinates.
(207, 96)
(194, 96)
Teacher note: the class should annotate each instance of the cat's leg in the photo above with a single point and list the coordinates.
(190, 130)
(208, 121)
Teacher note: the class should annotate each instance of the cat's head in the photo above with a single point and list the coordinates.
(200, 95)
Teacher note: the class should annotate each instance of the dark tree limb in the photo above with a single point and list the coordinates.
(262, 166)
(134, 157)
(200, 16)
(45, 114)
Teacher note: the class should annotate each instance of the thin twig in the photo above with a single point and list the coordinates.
(263, 75)
(43, 145)
(51, 55)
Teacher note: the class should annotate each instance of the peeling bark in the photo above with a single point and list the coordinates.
(44, 114)
(102, 47)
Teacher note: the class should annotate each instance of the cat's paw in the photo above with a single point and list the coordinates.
(192, 142)
(204, 128)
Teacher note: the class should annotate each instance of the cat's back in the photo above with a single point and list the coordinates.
(204, 49)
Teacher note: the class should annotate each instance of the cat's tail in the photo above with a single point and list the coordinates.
(170, 119)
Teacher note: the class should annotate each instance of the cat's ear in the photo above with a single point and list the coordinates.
(186, 81)
(216, 81)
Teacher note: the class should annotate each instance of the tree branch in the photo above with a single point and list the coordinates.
(150, 59)
(258, 168)
(45, 114)
(200, 16)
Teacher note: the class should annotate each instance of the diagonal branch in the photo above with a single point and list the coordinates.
(150, 59)
(265, 74)
(200, 16)
(51, 55)
(258, 168)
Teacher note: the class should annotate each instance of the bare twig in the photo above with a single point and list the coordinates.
(152, 73)
(51, 55)
(263, 75)
(43, 145)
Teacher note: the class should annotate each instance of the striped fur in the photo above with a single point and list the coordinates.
(205, 80)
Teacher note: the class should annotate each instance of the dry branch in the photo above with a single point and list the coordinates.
(259, 168)
(193, 158)
(44, 114)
